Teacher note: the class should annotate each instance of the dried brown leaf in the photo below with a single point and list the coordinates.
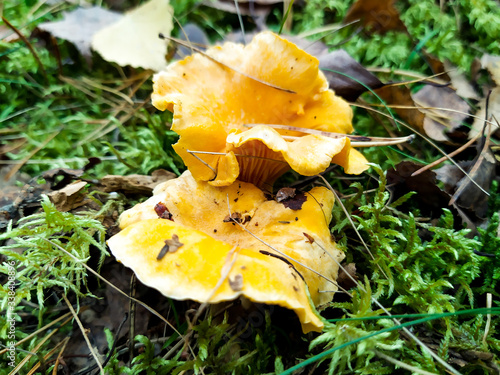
(296, 202)
(430, 197)
(437, 122)
(401, 96)
(376, 15)
(69, 197)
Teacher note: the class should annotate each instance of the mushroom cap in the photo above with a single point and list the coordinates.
(200, 221)
(212, 103)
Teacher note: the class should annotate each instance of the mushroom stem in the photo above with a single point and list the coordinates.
(239, 155)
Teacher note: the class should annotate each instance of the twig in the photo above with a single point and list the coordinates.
(444, 158)
(30, 47)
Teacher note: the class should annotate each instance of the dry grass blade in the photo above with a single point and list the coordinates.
(395, 106)
(489, 300)
(56, 364)
(418, 80)
(394, 141)
(228, 265)
(473, 170)
(18, 166)
(188, 45)
(419, 77)
(47, 356)
(21, 364)
(84, 333)
(150, 309)
(79, 85)
(44, 328)
(201, 160)
(102, 87)
(352, 223)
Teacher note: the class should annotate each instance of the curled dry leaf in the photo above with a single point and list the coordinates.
(193, 271)
(489, 108)
(430, 120)
(69, 197)
(401, 96)
(271, 82)
(133, 40)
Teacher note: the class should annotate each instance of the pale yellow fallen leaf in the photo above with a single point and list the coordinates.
(133, 40)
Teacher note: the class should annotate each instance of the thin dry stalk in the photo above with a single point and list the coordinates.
(56, 364)
(30, 47)
(84, 333)
(44, 328)
(47, 356)
(360, 138)
(275, 249)
(444, 158)
(147, 307)
(21, 364)
(489, 301)
(398, 363)
(419, 77)
(18, 166)
(473, 170)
